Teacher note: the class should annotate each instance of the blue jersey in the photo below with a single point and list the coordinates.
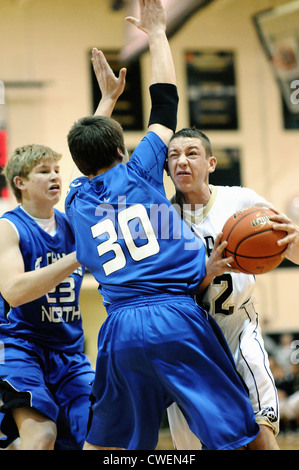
(53, 320)
(127, 233)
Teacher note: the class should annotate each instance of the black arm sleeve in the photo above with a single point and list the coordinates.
(165, 101)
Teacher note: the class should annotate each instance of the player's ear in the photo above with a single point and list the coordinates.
(166, 167)
(18, 181)
(120, 154)
(212, 164)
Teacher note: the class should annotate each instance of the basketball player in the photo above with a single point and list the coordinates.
(229, 296)
(45, 377)
(149, 353)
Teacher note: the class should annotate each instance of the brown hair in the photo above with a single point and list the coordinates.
(94, 142)
(196, 134)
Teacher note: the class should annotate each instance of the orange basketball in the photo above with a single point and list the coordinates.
(252, 241)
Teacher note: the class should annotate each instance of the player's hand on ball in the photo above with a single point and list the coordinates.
(217, 264)
(284, 223)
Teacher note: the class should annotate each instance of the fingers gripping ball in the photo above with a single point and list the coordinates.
(252, 242)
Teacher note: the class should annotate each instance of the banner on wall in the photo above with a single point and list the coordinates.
(278, 31)
(212, 90)
(128, 110)
(228, 172)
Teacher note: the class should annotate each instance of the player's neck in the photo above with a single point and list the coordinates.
(37, 211)
(200, 197)
(104, 170)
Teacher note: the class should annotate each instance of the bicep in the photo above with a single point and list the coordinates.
(11, 260)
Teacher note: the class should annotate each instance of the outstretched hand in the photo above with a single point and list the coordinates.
(111, 86)
(152, 16)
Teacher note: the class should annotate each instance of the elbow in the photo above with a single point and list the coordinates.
(12, 298)
(16, 291)
(15, 304)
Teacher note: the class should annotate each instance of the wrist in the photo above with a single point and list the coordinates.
(108, 100)
(155, 37)
(105, 107)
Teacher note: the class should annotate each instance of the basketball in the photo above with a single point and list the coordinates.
(252, 241)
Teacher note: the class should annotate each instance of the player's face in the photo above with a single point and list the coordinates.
(44, 182)
(187, 164)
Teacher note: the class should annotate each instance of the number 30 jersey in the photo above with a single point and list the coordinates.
(53, 320)
(128, 235)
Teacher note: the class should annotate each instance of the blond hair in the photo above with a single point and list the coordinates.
(23, 160)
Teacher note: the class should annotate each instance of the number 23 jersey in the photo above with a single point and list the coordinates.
(53, 320)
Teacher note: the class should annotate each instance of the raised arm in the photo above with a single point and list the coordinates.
(153, 22)
(111, 86)
(164, 105)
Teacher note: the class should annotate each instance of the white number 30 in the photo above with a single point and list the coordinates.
(137, 253)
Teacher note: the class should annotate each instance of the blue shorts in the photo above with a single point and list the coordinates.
(161, 349)
(54, 383)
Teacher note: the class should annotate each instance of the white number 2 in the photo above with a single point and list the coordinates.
(138, 253)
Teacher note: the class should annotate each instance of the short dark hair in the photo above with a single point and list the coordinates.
(94, 142)
(193, 132)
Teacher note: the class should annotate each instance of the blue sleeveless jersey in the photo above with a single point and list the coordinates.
(127, 233)
(54, 320)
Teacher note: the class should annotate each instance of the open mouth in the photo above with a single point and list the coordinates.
(183, 173)
(55, 187)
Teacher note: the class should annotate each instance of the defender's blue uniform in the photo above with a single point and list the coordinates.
(156, 345)
(123, 224)
(43, 364)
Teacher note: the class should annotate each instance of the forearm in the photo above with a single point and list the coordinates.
(163, 91)
(105, 107)
(162, 66)
(292, 253)
(205, 284)
(28, 286)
